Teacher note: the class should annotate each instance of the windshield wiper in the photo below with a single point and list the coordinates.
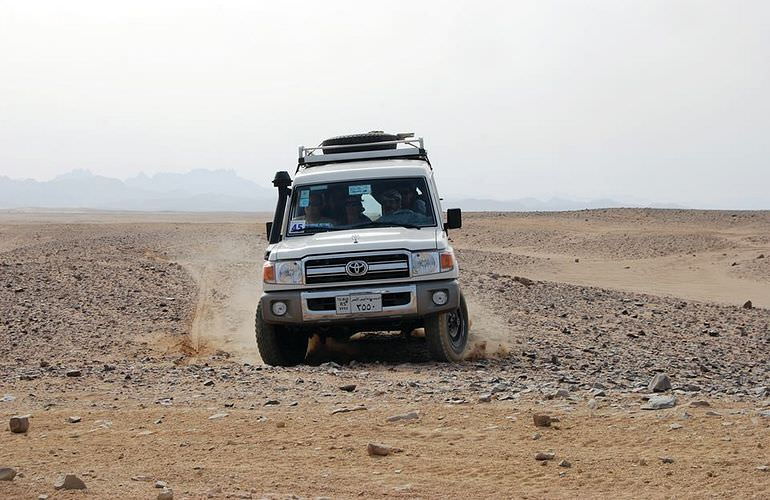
(384, 224)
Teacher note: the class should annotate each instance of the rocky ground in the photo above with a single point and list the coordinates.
(140, 326)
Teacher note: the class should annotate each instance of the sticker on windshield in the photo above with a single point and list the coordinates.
(318, 188)
(297, 227)
(359, 189)
(304, 198)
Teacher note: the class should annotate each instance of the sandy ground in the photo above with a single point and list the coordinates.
(156, 312)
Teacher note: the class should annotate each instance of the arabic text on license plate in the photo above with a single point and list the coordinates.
(359, 304)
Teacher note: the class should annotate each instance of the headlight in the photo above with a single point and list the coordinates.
(424, 263)
(287, 272)
(432, 262)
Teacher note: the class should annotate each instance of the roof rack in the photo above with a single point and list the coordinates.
(412, 148)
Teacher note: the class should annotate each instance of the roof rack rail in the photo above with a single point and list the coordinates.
(412, 148)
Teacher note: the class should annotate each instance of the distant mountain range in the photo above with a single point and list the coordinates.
(196, 191)
(210, 191)
(551, 205)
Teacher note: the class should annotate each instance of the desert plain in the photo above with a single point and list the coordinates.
(128, 340)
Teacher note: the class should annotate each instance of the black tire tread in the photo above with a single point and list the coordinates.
(354, 139)
(278, 348)
(438, 339)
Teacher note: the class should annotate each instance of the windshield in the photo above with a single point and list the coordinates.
(359, 204)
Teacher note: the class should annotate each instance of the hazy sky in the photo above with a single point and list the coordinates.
(657, 101)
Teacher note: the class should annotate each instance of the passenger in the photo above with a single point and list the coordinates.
(410, 200)
(354, 211)
(314, 210)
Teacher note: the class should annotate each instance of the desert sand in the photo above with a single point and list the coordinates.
(141, 325)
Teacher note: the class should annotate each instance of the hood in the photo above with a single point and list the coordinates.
(370, 239)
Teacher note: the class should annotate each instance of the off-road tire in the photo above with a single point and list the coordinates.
(277, 346)
(444, 342)
(359, 139)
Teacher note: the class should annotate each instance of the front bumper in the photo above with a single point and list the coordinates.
(316, 306)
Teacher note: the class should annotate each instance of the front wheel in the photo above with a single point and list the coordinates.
(447, 333)
(277, 345)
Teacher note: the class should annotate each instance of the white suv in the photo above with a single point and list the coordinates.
(358, 245)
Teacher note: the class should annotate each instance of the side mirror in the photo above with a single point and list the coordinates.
(268, 228)
(454, 219)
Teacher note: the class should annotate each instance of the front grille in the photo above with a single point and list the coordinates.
(332, 269)
(330, 303)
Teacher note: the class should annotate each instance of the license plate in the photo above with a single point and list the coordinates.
(359, 304)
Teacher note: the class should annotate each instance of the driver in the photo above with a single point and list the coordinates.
(391, 202)
(410, 200)
(393, 211)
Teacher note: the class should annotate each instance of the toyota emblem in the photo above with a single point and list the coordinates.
(356, 268)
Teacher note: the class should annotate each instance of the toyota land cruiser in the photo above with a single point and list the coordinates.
(358, 244)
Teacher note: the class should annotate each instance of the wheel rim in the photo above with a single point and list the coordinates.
(458, 335)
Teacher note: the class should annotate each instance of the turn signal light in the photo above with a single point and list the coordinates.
(447, 261)
(268, 272)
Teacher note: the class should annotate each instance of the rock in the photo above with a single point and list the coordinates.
(659, 403)
(166, 494)
(348, 387)
(536, 436)
(161, 484)
(565, 463)
(761, 256)
(659, 383)
(346, 409)
(485, 398)
(208, 383)
(765, 413)
(558, 394)
(19, 424)
(524, 281)
(272, 402)
(380, 450)
(700, 404)
(7, 474)
(763, 468)
(748, 305)
(666, 460)
(542, 455)
(73, 420)
(593, 404)
(217, 416)
(674, 426)
(712, 414)
(691, 388)
(499, 387)
(412, 415)
(69, 482)
(73, 373)
(541, 420)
